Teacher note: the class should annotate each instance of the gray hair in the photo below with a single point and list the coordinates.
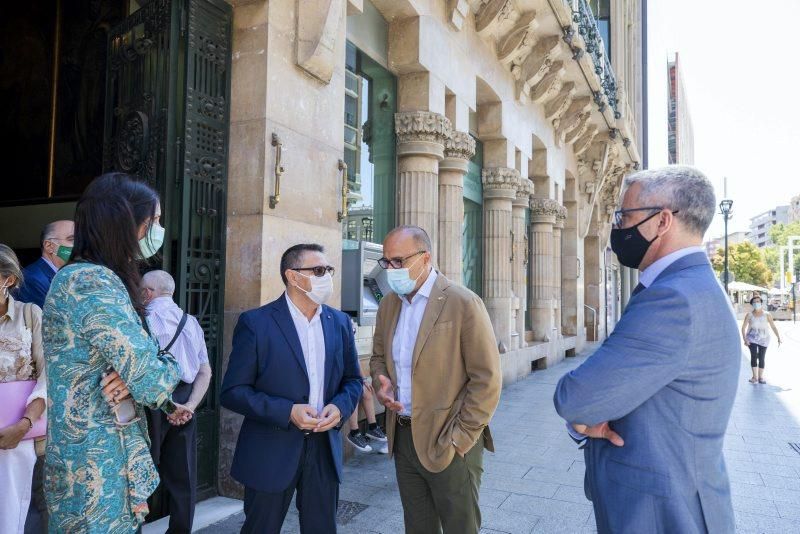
(161, 281)
(9, 265)
(681, 188)
(420, 236)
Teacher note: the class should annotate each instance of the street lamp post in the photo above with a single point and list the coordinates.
(725, 209)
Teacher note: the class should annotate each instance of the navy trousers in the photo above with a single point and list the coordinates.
(317, 495)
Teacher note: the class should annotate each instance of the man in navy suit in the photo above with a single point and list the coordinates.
(294, 375)
(56, 242)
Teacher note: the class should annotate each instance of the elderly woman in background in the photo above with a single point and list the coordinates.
(23, 394)
(103, 367)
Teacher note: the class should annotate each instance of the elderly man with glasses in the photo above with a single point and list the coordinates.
(652, 404)
(436, 360)
(294, 376)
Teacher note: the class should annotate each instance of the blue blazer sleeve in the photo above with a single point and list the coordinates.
(351, 385)
(34, 289)
(238, 387)
(645, 352)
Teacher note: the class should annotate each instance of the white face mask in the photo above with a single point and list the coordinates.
(321, 287)
(756, 305)
(400, 280)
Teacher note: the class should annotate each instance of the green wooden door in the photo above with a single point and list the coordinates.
(167, 122)
(472, 229)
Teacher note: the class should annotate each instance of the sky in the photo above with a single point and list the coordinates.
(741, 75)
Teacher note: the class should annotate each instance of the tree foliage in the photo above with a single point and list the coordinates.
(746, 262)
(780, 233)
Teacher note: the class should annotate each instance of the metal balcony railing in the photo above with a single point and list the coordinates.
(583, 17)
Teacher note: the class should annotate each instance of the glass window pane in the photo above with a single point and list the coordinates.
(369, 150)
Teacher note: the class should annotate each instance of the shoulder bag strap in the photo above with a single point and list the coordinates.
(181, 324)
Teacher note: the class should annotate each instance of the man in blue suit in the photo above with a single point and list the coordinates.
(56, 243)
(653, 402)
(294, 375)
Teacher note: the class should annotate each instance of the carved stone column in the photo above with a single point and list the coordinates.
(519, 264)
(457, 152)
(561, 218)
(500, 185)
(420, 146)
(543, 218)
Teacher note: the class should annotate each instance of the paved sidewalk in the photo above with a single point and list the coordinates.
(534, 482)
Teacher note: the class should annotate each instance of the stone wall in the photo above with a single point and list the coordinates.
(505, 72)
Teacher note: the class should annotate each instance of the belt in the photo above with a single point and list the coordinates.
(403, 420)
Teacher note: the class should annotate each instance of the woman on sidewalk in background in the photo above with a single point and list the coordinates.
(98, 469)
(756, 337)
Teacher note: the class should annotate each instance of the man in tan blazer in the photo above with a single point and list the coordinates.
(436, 362)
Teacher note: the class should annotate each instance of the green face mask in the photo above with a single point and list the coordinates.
(64, 252)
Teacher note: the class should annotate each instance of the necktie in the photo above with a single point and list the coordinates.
(638, 289)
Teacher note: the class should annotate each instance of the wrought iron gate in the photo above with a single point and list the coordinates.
(167, 122)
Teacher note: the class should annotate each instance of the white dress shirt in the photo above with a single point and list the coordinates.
(163, 317)
(650, 274)
(405, 338)
(312, 341)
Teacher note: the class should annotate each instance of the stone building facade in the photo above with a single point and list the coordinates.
(502, 127)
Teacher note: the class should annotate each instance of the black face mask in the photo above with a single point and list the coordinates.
(630, 245)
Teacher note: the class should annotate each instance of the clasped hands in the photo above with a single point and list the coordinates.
(305, 417)
(115, 391)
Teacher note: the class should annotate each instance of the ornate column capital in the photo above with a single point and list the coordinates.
(421, 133)
(524, 191)
(459, 145)
(561, 217)
(500, 182)
(544, 210)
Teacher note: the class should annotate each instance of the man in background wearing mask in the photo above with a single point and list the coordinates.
(294, 376)
(652, 404)
(173, 438)
(56, 243)
(436, 368)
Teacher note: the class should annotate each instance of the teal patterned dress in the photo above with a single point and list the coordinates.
(98, 476)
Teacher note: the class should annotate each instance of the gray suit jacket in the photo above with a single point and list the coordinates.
(666, 379)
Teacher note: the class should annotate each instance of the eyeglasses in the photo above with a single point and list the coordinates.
(397, 263)
(619, 215)
(319, 270)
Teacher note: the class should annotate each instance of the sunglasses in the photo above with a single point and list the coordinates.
(319, 270)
